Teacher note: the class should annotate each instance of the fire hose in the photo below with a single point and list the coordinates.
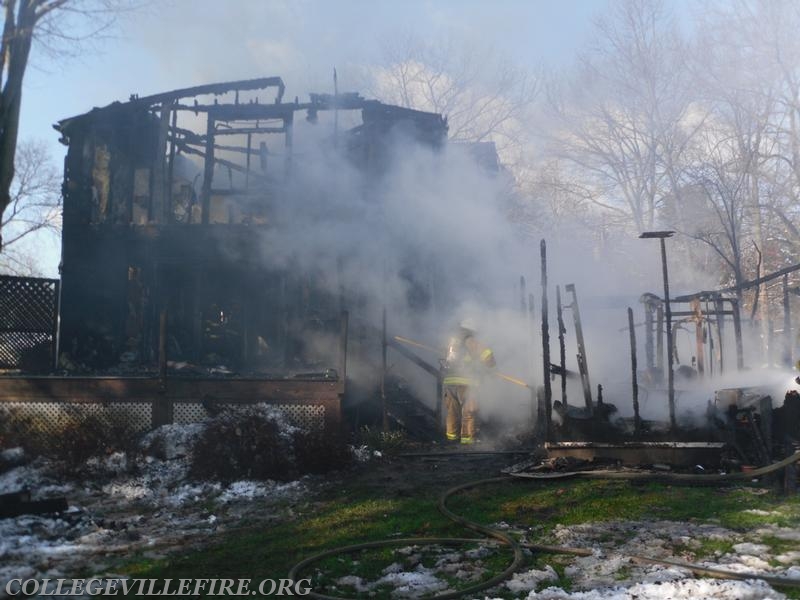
(518, 547)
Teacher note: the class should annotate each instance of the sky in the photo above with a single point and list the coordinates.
(180, 43)
(170, 44)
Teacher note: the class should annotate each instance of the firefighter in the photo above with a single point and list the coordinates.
(467, 360)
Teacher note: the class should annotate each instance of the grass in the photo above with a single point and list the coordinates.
(586, 501)
(702, 548)
(363, 513)
(779, 546)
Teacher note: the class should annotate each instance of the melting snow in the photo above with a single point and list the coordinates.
(610, 574)
(525, 582)
(751, 549)
(687, 589)
(407, 584)
(114, 512)
(413, 584)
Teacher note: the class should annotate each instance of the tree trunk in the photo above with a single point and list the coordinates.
(19, 47)
(758, 236)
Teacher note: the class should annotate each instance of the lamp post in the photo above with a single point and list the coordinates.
(661, 236)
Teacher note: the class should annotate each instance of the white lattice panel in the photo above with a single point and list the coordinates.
(307, 416)
(51, 417)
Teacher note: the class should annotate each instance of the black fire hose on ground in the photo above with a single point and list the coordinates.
(518, 547)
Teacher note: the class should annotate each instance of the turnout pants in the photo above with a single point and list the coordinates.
(462, 413)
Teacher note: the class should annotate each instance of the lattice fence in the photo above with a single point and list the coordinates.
(50, 417)
(28, 321)
(307, 416)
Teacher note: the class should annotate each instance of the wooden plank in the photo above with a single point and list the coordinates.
(114, 389)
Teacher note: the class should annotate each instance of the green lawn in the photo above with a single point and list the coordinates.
(368, 513)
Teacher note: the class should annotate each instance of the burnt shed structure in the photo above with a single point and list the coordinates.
(169, 201)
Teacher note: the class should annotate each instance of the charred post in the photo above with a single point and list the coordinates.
(699, 337)
(208, 171)
(162, 348)
(670, 341)
(162, 405)
(384, 367)
(562, 350)
(709, 333)
(718, 310)
(344, 326)
(649, 349)
(787, 324)
(660, 340)
(548, 393)
(634, 381)
(737, 332)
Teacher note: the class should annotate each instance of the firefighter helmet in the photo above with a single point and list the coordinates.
(468, 324)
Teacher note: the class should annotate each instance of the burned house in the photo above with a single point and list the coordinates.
(176, 290)
(169, 204)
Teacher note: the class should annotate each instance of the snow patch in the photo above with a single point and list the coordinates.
(12, 455)
(525, 582)
(250, 490)
(141, 502)
(791, 573)
(687, 589)
(413, 584)
(751, 549)
(361, 454)
(782, 533)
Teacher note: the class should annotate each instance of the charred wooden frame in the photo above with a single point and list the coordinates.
(141, 236)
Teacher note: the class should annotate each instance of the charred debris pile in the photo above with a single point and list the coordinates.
(714, 411)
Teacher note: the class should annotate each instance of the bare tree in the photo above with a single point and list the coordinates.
(624, 117)
(483, 95)
(746, 82)
(52, 23)
(35, 206)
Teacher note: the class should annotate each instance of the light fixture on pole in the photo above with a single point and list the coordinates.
(661, 236)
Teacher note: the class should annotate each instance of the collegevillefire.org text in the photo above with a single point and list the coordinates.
(157, 587)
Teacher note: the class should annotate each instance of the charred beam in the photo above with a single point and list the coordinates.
(18, 503)
(583, 367)
(562, 350)
(208, 171)
(158, 207)
(216, 89)
(745, 285)
(424, 365)
(702, 313)
(698, 337)
(226, 163)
